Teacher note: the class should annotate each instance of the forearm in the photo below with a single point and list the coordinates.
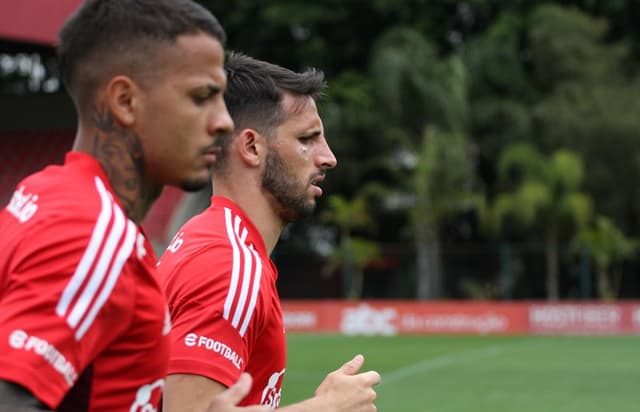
(343, 390)
(189, 393)
(314, 404)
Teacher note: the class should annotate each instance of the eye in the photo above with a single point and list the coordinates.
(201, 95)
(309, 138)
(200, 98)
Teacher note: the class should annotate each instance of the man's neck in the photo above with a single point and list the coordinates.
(256, 207)
(120, 154)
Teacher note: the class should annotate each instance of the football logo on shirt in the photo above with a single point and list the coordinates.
(216, 346)
(271, 394)
(21, 340)
(23, 205)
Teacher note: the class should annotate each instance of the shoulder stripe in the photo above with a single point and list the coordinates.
(246, 266)
(254, 292)
(110, 246)
(246, 279)
(235, 270)
(102, 265)
(114, 274)
(242, 236)
(89, 255)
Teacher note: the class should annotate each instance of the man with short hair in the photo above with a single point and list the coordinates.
(83, 321)
(219, 280)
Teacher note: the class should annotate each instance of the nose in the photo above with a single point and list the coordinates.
(220, 121)
(326, 157)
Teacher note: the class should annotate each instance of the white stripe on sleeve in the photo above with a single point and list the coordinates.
(254, 292)
(89, 256)
(100, 265)
(246, 272)
(121, 258)
(235, 269)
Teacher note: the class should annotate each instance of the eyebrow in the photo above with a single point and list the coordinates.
(211, 88)
(314, 133)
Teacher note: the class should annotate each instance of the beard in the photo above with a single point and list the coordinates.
(290, 200)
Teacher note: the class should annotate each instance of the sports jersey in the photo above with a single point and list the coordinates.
(83, 321)
(220, 286)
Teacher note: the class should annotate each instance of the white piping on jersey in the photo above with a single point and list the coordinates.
(104, 255)
(89, 255)
(236, 229)
(114, 274)
(254, 291)
(100, 271)
(246, 277)
(235, 269)
(251, 275)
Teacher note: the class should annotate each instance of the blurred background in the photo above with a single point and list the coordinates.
(487, 149)
(487, 184)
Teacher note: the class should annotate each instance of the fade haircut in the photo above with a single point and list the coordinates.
(105, 38)
(255, 91)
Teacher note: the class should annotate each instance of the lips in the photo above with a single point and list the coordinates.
(317, 179)
(315, 184)
(210, 154)
(211, 150)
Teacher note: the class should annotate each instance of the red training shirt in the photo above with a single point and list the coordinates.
(82, 317)
(221, 289)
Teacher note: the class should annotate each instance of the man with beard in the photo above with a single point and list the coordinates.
(218, 278)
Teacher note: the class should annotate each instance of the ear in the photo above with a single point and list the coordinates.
(123, 98)
(251, 147)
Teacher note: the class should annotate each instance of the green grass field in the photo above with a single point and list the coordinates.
(479, 374)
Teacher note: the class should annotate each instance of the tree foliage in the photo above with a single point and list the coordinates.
(542, 194)
(533, 103)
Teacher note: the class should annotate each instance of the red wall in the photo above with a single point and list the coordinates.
(36, 21)
(449, 317)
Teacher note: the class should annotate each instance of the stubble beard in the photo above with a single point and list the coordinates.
(289, 195)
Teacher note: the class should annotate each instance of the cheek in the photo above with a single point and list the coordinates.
(303, 152)
(182, 131)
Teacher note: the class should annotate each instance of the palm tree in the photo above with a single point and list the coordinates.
(543, 192)
(353, 253)
(606, 245)
(426, 102)
(441, 183)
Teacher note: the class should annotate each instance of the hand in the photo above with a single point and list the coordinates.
(227, 400)
(347, 390)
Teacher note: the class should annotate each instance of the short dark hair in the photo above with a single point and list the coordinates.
(255, 90)
(107, 35)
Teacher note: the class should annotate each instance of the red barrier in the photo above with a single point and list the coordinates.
(411, 317)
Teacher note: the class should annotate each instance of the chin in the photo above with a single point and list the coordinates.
(194, 185)
(306, 211)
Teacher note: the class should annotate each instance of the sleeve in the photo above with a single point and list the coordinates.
(62, 303)
(213, 316)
